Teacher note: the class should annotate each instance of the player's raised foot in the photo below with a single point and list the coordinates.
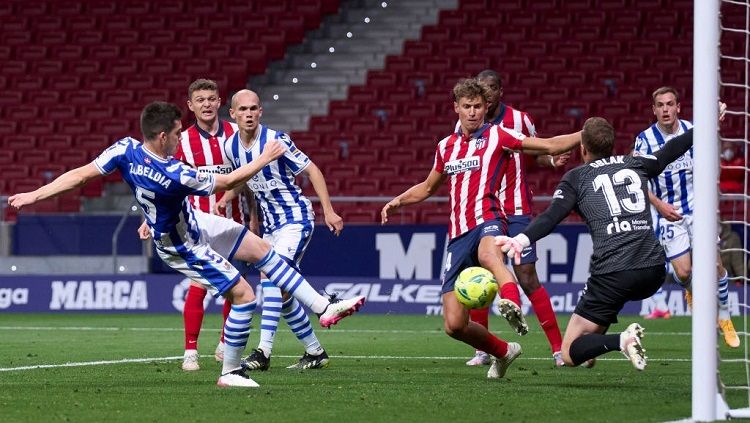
(500, 365)
(630, 345)
(219, 352)
(337, 309)
(480, 358)
(730, 335)
(257, 360)
(557, 358)
(658, 314)
(236, 379)
(513, 314)
(190, 361)
(309, 361)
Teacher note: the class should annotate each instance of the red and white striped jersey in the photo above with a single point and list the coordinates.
(475, 165)
(204, 151)
(515, 192)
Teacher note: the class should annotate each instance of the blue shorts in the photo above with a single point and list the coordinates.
(462, 251)
(516, 225)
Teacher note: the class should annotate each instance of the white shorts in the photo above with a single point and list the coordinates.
(207, 262)
(291, 240)
(675, 237)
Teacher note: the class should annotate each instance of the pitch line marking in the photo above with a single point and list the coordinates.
(345, 357)
(394, 331)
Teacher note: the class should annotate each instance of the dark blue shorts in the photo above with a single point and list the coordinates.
(462, 251)
(516, 225)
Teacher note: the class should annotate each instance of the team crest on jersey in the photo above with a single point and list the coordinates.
(480, 142)
(201, 177)
(147, 160)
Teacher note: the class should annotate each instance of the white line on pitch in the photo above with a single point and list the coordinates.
(345, 357)
(333, 331)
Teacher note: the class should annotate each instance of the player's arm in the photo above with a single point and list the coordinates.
(672, 150)
(551, 146)
(553, 161)
(334, 222)
(229, 195)
(68, 181)
(271, 151)
(563, 201)
(415, 194)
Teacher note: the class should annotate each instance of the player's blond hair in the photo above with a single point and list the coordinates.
(202, 84)
(471, 88)
(598, 137)
(664, 90)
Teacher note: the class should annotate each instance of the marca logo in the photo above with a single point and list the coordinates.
(99, 295)
(13, 296)
(461, 165)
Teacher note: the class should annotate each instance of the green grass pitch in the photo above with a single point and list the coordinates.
(384, 368)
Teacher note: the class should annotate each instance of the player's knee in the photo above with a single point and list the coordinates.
(682, 273)
(454, 329)
(488, 259)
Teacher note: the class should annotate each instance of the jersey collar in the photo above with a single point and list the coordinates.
(204, 134)
(499, 119)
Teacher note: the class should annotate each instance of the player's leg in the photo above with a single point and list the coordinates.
(457, 326)
(192, 317)
(491, 258)
(725, 318)
(260, 358)
(246, 246)
(280, 273)
(661, 310)
(535, 291)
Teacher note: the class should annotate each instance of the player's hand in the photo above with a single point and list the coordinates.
(722, 111)
(388, 209)
(144, 232)
(667, 211)
(220, 208)
(22, 199)
(561, 159)
(334, 222)
(510, 246)
(272, 151)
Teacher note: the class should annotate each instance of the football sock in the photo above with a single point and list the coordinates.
(236, 331)
(542, 306)
(509, 291)
(480, 316)
(225, 313)
(593, 345)
(660, 299)
(269, 322)
(724, 296)
(192, 315)
(289, 280)
(687, 284)
(299, 323)
(492, 345)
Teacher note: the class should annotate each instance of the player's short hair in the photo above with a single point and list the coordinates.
(490, 74)
(471, 88)
(202, 84)
(159, 117)
(664, 90)
(598, 137)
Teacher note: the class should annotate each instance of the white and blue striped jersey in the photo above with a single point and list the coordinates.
(278, 196)
(675, 184)
(161, 188)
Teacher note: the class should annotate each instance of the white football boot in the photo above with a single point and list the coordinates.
(236, 379)
(500, 365)
(630, 345)
(190, 361)
(338, 309)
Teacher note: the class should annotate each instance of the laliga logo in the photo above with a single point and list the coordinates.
(180, 291)
(10, 296)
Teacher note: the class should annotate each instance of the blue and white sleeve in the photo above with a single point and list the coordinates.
(108, 159)
(294, 158)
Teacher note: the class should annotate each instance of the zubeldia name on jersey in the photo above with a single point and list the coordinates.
(461, 165)
(150, 173)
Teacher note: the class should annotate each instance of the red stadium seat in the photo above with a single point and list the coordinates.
(19, 142)
(324, 124)
(362, 94)
(57, 142)
(342, 171)
(38, 127)
(82, 23)
(363, 125)
(361, 187)
(14, 171)
(101, 82)
(7, 157)
(32, 53)
(75, 127)
(22, 112)
(154, 26)
(50, 38)
(116, 128)
(33, 157)
(360, 215)
(381, 79)
(60, 113)
(417, 48)
(343, 109)
(141, 51)
(274, 40)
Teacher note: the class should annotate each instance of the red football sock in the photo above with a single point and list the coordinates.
(509, 291)
(543, 309)
(480, 316)
(225, 311)
(493, 345)
(192, 315)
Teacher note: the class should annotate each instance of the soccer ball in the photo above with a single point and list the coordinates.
(475, 287)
